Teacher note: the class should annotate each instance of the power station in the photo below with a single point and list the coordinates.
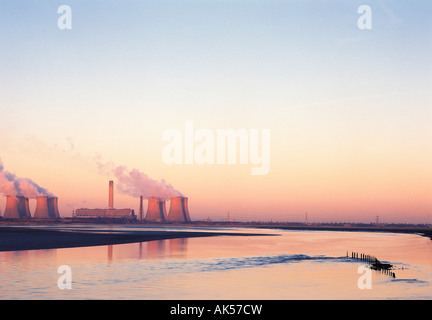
(17, 207)
(110, 212)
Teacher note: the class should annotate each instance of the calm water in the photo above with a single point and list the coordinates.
(292, 265)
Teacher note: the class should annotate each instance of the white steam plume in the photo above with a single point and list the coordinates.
(136, 183)
(12, 185)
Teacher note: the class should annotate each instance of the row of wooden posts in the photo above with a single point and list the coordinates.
(363, 257)
(375, 264)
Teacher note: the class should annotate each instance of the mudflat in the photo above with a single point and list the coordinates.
(24, 238)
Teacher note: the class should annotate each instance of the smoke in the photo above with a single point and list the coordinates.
(136, 183)
(12, 185)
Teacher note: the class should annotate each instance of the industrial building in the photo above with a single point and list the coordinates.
(104, 213)
(108, 213)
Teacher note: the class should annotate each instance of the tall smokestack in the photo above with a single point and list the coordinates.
(111, 194)
(42, 211)
(141, 209)
(156, 210)
(53, 207)
(11, 211)
(178, 210)
(24, 208)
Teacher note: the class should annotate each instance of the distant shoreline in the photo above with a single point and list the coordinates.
(424, 232)
(423, 229)
(17, 235)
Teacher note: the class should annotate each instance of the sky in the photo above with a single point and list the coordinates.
(349, 110)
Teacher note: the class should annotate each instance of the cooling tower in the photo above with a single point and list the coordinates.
(42, 211)
(178, 210)
(162, 209)
(11, 211)
(111, 194)
(53, 208)
(56, 210)
(186, 209)
(24, 208)
(156, 210)
(17, 208)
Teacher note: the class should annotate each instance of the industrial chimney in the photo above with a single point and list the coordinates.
(141, 208)
(111, 194)
(178, 210)
(156, 210)
(42, 211)
(11, 211)
(24, 208)
(53, 208)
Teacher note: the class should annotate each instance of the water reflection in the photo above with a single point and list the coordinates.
(304, 265)
(158, 249)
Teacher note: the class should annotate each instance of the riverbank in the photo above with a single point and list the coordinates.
(420, 229)
(32, 235)
(14, 238)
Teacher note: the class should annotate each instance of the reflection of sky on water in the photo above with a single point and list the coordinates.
(296, 264)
